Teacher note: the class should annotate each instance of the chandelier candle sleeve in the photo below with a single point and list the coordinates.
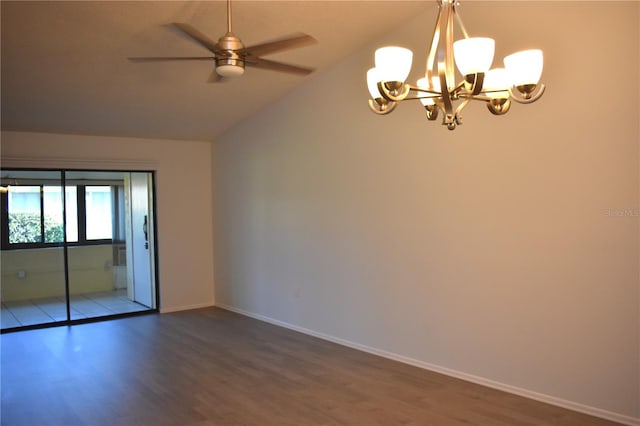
(495, 82)
(393, 63)
(525, 66)
(474, 55)
(373, 77)
(427, 97)
(377, 103)
(438, 91)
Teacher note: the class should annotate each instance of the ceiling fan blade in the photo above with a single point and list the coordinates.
(290, 42)
(196, 35)
(266, 64)
(170, 58)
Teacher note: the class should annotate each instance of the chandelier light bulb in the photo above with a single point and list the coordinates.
(373, 77)
(525, 67)
(393, 63)
(423, 83)
(497, 81)
(474, 55)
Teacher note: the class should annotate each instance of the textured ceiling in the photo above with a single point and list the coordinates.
(64, 66)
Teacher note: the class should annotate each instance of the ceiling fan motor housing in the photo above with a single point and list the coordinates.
(228, 62)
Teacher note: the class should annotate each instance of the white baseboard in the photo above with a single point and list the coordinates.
(597, 412)
(187, 307)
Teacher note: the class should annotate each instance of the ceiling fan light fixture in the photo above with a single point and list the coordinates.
(228, 63)
(230, 70)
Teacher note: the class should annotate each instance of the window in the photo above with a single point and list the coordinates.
(99, 222)
(25, 215)
(34, 215)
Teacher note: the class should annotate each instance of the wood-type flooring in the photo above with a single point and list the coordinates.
(214, 367)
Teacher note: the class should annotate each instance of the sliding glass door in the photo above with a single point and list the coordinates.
(76, 245)
(33, 266)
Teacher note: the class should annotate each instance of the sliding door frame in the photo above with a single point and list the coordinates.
(153, 242)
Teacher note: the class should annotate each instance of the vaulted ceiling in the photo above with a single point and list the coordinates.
(65, 68)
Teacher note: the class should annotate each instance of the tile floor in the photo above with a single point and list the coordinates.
(53, 309)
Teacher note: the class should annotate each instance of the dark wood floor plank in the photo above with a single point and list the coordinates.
(213, 367)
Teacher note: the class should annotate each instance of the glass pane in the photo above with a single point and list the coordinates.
(33, 279)
(99, 212)
(53, 226)
(24, 214)
(102, 278)
(52, 197)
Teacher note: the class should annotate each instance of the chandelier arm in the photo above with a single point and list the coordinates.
(447, 104)
(448, 51)
(432, 112)
(484, 95)
(409, 89)
(431, 57)
(457, 89)
(480, 97)
(462, 105)
(536, 95)
(417, 98)
(381, 106)
(459, 20)
(426, 90)
(476, 85)
(420, 90)
(431, 93)
(499, 106)
(394, 95)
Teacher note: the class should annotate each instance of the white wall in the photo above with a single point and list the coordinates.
(183, 196)
(487, 251)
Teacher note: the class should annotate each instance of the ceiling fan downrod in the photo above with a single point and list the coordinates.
(229, 63)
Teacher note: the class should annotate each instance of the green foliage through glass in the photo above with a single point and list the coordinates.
(25, 228)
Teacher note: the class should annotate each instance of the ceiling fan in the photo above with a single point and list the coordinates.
(231, 56)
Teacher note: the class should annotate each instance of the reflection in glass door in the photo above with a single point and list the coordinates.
(89, 265)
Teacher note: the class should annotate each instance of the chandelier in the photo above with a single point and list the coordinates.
(438, 91)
